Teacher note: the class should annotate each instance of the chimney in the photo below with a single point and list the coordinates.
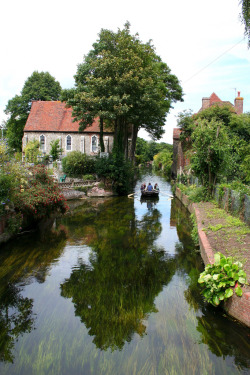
(205, 103)
(238, 104)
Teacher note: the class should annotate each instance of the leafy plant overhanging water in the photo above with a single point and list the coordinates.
(220, 278)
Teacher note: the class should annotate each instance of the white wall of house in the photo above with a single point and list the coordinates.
(83, 142)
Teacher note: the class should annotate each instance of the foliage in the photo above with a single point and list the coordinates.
(195, 193)
(88, 177)
(32, 151)
(124, 82)
(40, 197)
(245, 18)
(76, 164)
(55, 150)
(194, 232)
(39, 86)
(163, 161)
(146, 150)
(210, 151)
(237, 129)
(116, 171)
(220, 278)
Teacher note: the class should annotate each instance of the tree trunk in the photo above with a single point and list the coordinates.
(133, 143)
(101, 135)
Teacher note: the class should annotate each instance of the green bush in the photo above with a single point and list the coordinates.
(116, 171)
(32, 151)
(88, 177)
(76, 164)
(220, 278)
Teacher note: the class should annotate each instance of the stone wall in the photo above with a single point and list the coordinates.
(231, 201)
(79, 141)
(238, 307)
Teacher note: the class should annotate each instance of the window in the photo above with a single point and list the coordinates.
(94, 143)
(42, 143)
(82, 146)
(68, 143)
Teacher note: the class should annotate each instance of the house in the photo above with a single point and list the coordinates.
(179, 160)
(51, 120)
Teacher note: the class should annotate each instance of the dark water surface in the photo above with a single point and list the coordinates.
(112, 289)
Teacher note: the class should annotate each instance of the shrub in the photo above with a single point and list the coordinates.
(41, 197)
(76, 164)
(220, 278)
(32, 151)
(116, 171)
(56, 150)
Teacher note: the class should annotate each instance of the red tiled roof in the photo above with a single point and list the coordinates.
(214, 99)
(53, 116)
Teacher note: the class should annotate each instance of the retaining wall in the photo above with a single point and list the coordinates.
(237, 307)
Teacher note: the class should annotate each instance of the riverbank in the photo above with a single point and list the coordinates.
(219, 231)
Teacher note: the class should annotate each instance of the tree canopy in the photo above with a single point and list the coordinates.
(245, 17)
(127, 85)
(219, 141)
(39, 86)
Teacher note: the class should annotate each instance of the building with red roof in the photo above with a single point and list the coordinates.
(51, 120)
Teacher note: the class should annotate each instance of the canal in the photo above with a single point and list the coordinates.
(111, 288)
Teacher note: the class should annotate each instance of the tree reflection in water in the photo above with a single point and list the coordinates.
(28, 258)
(115, 293)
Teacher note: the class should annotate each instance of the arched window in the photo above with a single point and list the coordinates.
(94, 143)
(42, 143)
(68, 143)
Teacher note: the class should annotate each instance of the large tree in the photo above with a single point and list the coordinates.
(127, 85)
(39, 86)
(245, 17)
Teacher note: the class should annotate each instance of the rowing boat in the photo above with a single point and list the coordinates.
(152, 193)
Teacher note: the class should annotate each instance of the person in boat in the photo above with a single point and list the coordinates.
(156, 187)
(143, 186)
(150, 187)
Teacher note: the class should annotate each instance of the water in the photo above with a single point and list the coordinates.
(112, 289)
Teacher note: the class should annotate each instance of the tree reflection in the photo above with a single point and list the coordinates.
(26, 259)
(15, 319)
(115, 293)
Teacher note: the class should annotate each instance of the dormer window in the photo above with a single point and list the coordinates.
(68, 143)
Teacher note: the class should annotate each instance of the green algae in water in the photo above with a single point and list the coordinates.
(119, 295)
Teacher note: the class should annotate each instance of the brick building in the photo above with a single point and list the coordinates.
(179, 160)
(51, 120)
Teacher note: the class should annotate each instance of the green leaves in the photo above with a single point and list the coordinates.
(219, 279)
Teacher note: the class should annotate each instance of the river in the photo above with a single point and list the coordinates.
(111, 288)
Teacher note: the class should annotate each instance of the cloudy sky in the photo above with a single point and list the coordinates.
(201, 41)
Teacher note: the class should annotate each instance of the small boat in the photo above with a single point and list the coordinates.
(152, 193)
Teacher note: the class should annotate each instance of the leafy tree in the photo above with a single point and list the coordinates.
(163, 161)
(32, 151)
(127, 85)
(56, 150)
(245, 17)
(146, 150)
(39, 86)
(210, 151)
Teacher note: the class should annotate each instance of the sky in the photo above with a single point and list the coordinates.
(201, 41)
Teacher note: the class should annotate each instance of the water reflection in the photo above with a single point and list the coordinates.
(118, 295)
(115, 293)
(19, 264)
